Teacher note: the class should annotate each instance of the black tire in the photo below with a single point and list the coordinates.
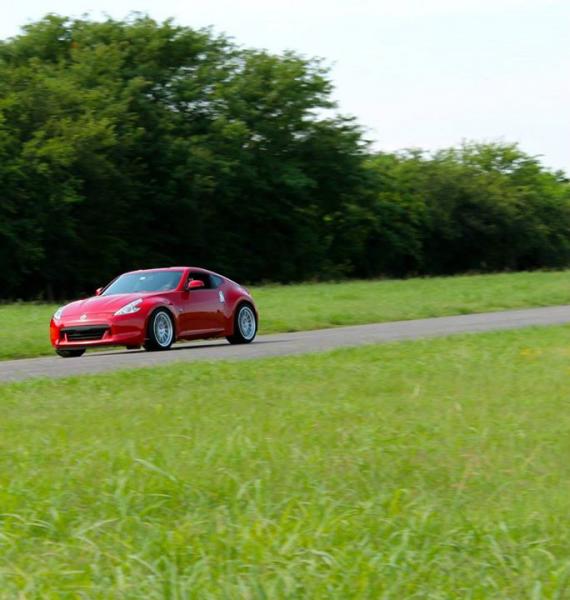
(245, 325)
(157, 337)
(70, 353)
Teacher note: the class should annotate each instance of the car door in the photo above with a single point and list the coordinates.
(202, 307)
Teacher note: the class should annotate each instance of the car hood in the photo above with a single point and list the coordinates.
(99, 304)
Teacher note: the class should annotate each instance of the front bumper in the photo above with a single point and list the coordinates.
(98, 330)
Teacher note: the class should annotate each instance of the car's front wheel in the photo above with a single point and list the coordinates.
(70, 353)
(245, 325)
(160, 331)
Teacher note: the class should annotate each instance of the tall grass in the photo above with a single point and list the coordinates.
(433, 469)
(24, 327)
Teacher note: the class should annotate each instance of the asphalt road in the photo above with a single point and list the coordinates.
(282, 343)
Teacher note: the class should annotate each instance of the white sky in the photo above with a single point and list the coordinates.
(416, 73)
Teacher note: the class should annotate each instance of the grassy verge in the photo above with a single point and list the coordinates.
(433, 469)
(24, 330)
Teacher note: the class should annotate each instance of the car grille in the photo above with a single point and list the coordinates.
(84, 333)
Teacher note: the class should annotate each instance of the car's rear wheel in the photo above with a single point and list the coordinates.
(245, 325)
(160, 331)
(70, 353)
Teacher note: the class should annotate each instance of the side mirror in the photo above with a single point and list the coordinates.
(98, 291)
(194, 284)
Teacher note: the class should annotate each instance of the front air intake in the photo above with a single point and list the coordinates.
(84, 333)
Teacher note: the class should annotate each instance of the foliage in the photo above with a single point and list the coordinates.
(128, 144)
(479, 207)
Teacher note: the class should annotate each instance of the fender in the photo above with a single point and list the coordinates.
(235, 297)
(150, 305)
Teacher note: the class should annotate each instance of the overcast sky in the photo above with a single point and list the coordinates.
(416, 73)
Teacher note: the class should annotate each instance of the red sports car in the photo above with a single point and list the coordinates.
(154, 308)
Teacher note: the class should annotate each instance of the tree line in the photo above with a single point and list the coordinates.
(131, 144)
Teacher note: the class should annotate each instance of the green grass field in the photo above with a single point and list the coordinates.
(433, 469)
(24, 327)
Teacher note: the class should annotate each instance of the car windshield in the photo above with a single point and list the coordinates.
(146, 281)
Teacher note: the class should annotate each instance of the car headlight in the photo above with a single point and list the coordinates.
(131, 307)
(57, 314)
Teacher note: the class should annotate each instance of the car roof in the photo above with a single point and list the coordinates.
(167, 269)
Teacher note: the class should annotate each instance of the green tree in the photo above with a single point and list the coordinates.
(479, 207)
(136, 143)
(128, 144)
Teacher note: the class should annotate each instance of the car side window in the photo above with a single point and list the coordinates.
(216, 281)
